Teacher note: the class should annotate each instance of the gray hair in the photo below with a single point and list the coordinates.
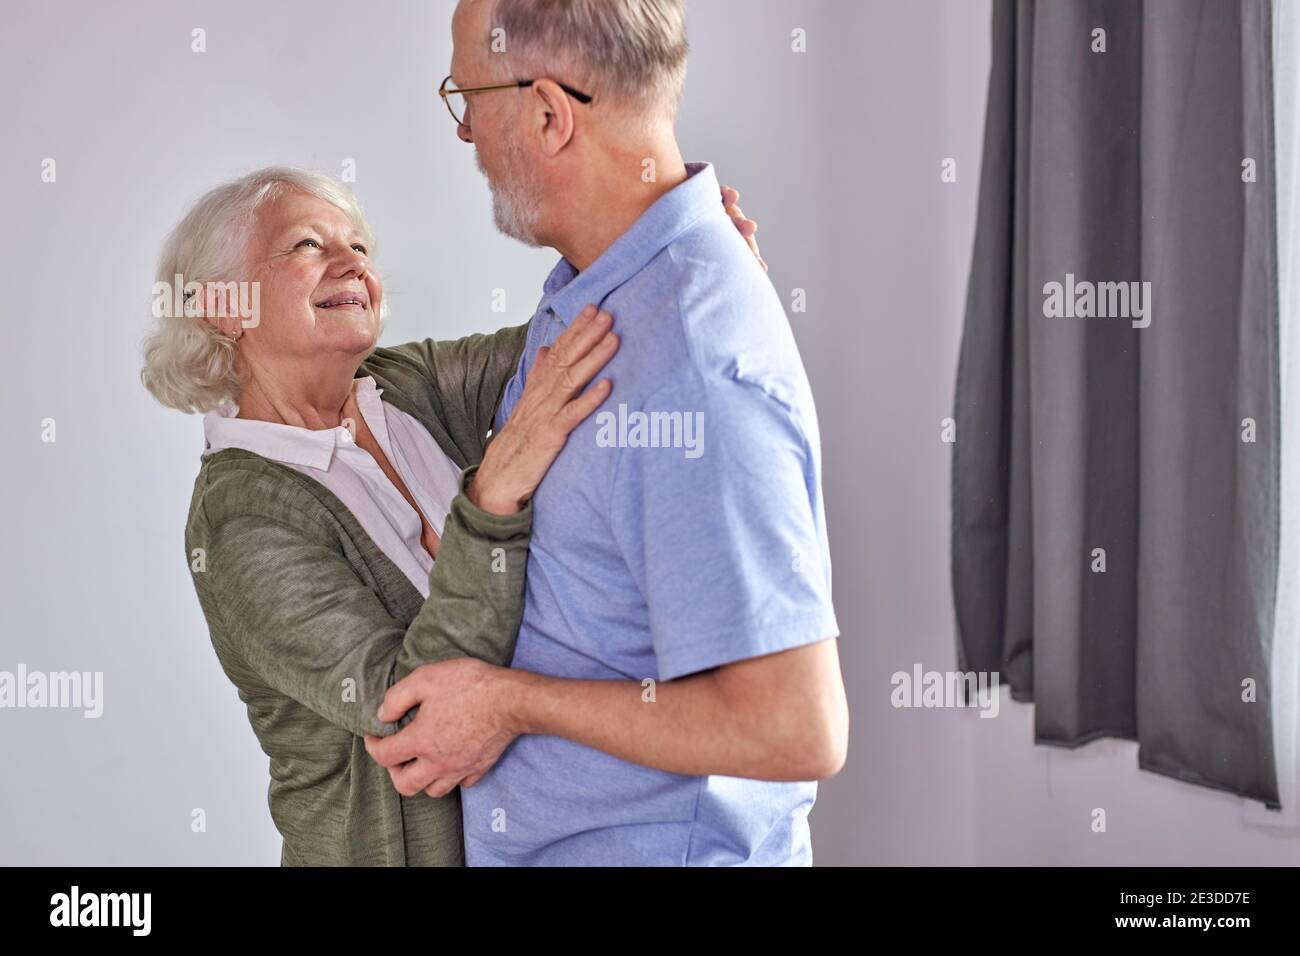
(630, 51)
(188, 364)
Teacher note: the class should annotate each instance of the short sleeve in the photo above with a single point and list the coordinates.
(723, 529)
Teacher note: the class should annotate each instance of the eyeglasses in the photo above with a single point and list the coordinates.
(456, 102)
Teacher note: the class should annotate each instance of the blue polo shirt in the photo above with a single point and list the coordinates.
(681, 529)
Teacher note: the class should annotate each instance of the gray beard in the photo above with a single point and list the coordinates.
(515, 203)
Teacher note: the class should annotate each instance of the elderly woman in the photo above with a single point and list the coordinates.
(351, 519)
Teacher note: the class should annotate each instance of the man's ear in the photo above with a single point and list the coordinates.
(552, 116)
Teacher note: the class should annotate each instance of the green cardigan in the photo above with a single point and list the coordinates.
(313, 623)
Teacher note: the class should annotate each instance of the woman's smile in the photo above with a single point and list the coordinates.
(349, 301)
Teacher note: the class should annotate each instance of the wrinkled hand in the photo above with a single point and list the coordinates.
(458, 733)
(552, 405)
(746, 227)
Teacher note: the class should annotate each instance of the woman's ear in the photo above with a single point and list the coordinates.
(552, 116)
(218, 304)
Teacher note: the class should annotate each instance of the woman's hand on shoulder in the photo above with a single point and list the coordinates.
(553, 405)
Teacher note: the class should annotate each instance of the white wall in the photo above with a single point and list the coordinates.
(904, 89)
(942, 786)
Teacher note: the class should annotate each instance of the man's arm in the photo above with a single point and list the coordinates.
(728, 551)
(782, 716)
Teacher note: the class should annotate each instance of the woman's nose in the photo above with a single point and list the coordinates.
(352, 262)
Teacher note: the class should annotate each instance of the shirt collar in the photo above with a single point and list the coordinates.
(568, 291)
(287, 444)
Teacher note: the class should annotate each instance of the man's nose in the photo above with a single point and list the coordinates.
(464, 133)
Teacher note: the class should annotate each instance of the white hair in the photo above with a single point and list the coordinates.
(188, 364)
(630, 51)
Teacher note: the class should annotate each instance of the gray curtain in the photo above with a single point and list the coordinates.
(1082, 433)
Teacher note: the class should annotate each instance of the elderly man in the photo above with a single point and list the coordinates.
(675, 690)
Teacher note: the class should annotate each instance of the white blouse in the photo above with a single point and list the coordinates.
(332, 457)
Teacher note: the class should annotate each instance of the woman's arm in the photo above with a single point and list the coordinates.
(467, 375)
(285, 599)
(290, 605)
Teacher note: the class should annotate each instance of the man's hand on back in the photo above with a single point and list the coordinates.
(458, 733)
